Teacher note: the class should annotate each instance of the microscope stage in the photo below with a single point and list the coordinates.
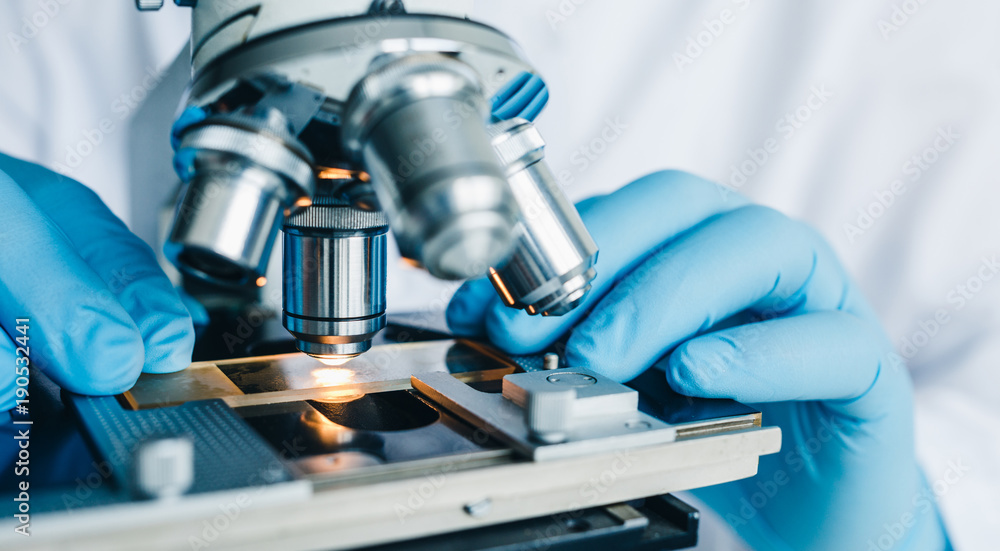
(405, 441)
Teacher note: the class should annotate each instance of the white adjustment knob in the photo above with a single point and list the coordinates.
(164, 468)
(549, 414)
(148, 5)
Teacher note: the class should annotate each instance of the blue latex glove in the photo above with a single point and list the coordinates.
(100, 309)
(184, 159)
(523, 97)
(741, 302)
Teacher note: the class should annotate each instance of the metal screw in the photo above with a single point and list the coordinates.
(479, 508)
(550, 361)
(148, 5)
(571, 379)
(637, 424)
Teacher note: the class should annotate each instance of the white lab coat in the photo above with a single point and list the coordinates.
(877, 122)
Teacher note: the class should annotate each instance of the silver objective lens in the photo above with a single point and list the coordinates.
(418, 125)
(553, 261)
(248, 171)
(334, 278)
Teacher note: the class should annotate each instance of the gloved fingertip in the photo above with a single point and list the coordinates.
(509, 89)
(171, 251)
(198, 313)
(466, 311)
(530, 95)
(107, 361)
(461, 325)
(189, 116)
(168, 336)
(585, 351)
(517, 103)
(698, 367)
(515, 332)
(505, 111)
(164, 322)
(531, 88)
(580, 351)
(532, 110)
(184, 164)
(170, 348)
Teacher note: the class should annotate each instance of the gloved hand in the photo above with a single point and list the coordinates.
(741, 302)
(184, 159)
(99, 308)
(523, 97)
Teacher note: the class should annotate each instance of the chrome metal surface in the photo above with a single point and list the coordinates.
(615, 428)
(594, 395)
(549, 415)
(334, 278)
(247, 171)
(552, 265)
(398, 96)
(289, 377)
(366, 481)
(332, 54)
(417, 122)
(380, 511)
(332, 450)
(219, 25)
(148, 5)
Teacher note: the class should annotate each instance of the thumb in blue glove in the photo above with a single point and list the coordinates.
(99, 308)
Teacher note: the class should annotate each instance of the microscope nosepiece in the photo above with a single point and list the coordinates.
(334, 264)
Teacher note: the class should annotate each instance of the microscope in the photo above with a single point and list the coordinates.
(335, 121)
(332, 122)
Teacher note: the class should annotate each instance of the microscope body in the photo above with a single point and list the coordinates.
(336, 121)
(332, 123)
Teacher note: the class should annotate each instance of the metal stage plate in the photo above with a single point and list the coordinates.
(358, 457)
